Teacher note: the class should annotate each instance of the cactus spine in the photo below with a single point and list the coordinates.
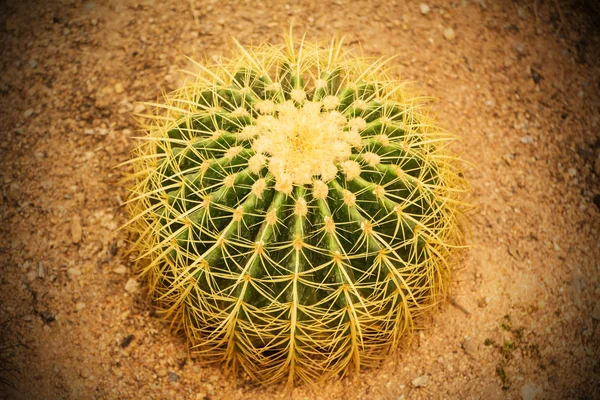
(295, 210)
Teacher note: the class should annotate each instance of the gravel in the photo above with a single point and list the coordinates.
(132, 286)
(420, 381)
(173, 377)
(449, 34)
(127, 340)
(76, 229)
(526, 139)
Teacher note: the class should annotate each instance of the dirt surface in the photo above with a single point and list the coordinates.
(518, 83)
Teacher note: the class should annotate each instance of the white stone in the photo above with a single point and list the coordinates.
(449, 34)
(28, 113)
(132, 286)
(421, 381)
(121, 270)
(138, 108)
(526, 140)
(76, 230)
(73, 272)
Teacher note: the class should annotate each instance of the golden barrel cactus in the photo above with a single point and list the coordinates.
(295, 209)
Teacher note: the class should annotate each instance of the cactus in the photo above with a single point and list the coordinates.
(295, 209)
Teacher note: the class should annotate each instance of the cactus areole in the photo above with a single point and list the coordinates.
(295, 209)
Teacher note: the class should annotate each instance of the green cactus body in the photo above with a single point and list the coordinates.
(296, 210)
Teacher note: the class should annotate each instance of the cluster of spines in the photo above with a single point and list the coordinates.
(301, 282)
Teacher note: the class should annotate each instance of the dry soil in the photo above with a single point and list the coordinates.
(519, 83)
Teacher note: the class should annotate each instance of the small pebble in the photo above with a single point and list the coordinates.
(483, 302)
(76, 230)
(40, 270)
(31, 275)
(127, 340)
(27, 113)
(520, 48)
(138, 108)
(80, 306)
(535, 76)
(584, 153)
(526, 139)
(121, 270)
(113, 248)
(131, 286)
(14, 191)
(424, 8)
(469, 346)
(47, 316)
(119, 88)
(572, 172)
(449, 34)
(173, 377)
(596, 312)
(421, 381)
(73, 272)
(541, 304)
(161, 372)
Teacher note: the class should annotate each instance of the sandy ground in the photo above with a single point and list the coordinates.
(518, 83)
